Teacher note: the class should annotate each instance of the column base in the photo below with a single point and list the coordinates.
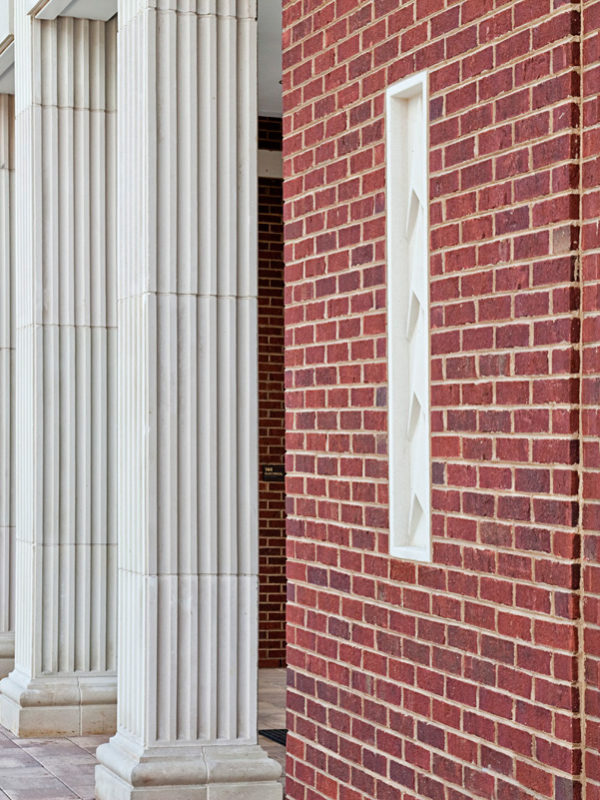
(7, 653)
(65, 705)
(186, 772)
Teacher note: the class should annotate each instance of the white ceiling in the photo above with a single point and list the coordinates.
(269, 58)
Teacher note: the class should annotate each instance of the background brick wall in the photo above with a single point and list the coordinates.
(462, 678)
(271, 407)
(590, 392)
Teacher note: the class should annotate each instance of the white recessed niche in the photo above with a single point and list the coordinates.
(407, 188)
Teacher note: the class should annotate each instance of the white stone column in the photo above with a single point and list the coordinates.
(64, 680)
(7, 358)
(188, 548)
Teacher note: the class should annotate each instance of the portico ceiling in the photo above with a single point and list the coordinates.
(269, 41)
(269, 58)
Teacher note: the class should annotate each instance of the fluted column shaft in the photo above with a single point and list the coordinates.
(64, 679)
(7, 407)
(187, 308)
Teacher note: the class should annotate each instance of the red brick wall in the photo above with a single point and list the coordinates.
(269, 133)
(458, 679)
(590, 419)
(271, 407)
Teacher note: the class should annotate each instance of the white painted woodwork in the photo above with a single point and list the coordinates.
(408, 318)
(65, 148)
(7, 359)
(187, 307)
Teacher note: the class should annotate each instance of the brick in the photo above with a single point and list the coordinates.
(472, 657)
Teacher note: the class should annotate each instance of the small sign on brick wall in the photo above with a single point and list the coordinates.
(273, 472)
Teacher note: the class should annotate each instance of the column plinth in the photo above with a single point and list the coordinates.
(58, 705)
(211, 772)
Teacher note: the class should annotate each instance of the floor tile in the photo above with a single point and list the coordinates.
(63, 769)
(11, 759)
(14, 777)
(88, 742)
(45, 788)
(68, 753)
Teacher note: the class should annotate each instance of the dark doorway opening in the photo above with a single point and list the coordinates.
(271, 415)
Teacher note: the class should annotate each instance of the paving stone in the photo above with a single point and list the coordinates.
(16, 758)
(14, 777)
(46, 789)
(63, 769)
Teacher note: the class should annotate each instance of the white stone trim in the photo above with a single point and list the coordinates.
(227, 771)
(101, 10)
(69, 704)
(408, 317)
